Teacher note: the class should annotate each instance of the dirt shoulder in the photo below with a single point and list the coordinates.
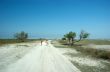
(10, 53)
(84, 62)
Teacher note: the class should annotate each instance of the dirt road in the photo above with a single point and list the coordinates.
(45, 58)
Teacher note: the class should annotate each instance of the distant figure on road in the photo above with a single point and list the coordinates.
(42, 59)
(41, 42)
(47, 42)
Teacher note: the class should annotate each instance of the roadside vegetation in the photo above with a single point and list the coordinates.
(11, 41)
(94, 52)
(69, 40)
(88, 41)
(97, 53)
(85, 59)
(18, 38)
(70, 37)
(21, 36)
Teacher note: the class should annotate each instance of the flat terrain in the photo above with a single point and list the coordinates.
(10, 53)
(32, 57)
(84, 61)
(100, 47)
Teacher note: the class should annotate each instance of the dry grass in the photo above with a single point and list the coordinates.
(90, 41)
(95, 41)
(11, 41)
(90, 51)
(94, 52)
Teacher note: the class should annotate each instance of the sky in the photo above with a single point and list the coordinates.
(54, 18)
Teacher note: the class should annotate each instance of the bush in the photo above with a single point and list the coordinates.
(94, 52)
(103, 54)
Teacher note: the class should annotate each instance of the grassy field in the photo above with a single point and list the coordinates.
(10, 41)
(86, 59)
(91, 41)
(97, 53)
(95, 41)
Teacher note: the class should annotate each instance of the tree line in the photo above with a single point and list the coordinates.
(70, 36)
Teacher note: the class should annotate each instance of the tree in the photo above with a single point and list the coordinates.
(66, 36)
(86, 35)
(83, 35)
(71, 37)
(63, 38)
(22, 36)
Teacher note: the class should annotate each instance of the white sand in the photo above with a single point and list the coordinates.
(68, 50)
(101, 47)
(42, 59)
(87, 61)
(11, 53)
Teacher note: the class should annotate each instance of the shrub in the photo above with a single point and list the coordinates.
(94, 52)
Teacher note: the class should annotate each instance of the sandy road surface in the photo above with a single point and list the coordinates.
(42, 59)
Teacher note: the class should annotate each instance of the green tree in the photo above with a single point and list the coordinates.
(63, 38)
(83, 35)
(71, 37)
(86, 35)
(22, 36)
(66, 36)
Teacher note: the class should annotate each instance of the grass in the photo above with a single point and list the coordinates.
(95, 41)
(94, 52)
(85, 68)
(89, 41)
(10, 41)
(87, 52)
(97, 53)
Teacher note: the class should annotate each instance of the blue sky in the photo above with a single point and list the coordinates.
(54, 18)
